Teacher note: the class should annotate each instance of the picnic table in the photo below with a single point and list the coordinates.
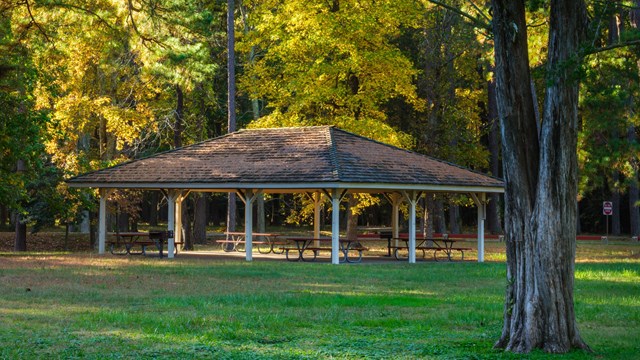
(442, 248)
(315, 246)
(125, 243)
(236, 242)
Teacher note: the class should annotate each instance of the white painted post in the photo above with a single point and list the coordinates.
(335, 226)
(172, 196)
(479, 199)
(177, 237)
(249, 196)
(102, 222)
(412, 227)
(317, 201)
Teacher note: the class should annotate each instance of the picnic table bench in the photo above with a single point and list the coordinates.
(303, 245)
(126, 243)
(442, 248)
(237, 242)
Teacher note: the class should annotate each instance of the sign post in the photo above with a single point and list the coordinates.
(607, 210)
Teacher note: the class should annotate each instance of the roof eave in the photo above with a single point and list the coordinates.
(296, 187)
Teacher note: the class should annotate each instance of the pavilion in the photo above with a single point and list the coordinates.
(318, 160)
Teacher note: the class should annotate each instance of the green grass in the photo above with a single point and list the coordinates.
(83, 306)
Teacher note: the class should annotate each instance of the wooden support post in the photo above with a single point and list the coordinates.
(102, 222)
(396, 200)
(335, 226)
(480, 200)
(177, 237)
(412, 198)
(317, 203)
(248, 225)
(248, 197)
(172, 198)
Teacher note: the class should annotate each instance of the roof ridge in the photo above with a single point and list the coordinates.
(286, 128)
(333, 153)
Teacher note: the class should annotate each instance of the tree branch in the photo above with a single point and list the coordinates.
(476, 21)
(597, 50)
(76, 7)
(33, 20)
(486, 18)
(144, 38)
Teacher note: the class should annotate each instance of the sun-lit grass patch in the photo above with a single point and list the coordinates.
(96, 307)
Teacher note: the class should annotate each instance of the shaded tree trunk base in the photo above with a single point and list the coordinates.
(523, 346)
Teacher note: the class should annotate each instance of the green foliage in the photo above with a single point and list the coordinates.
(607, 105)
(20, 139)
(329, 63)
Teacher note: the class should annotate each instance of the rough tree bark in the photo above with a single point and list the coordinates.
(540, 174)
(3, 215)
(493, 208)
(200, 219)
(231, 101)
(454, 219)
(20, 243)
(153, 208)
(634, 193)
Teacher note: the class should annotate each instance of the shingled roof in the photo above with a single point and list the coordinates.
(303, 158)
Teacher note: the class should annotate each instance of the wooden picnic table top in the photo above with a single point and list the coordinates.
(242, 233)
(422, 238)
(130, 233)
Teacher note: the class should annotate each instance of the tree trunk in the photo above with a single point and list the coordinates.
(439, 219)
(634, 194)
(614, 37)
(153, 208)
(231, 101)
(123, 221)
(92, 230)
(261, 214)
(540, 175)
(429, 223)
(177, 129)
(352, 219)
(187, 240)
(200, 219)
(231, 214)
(454, 219)
(493, 208)
(3, 215)
(422, 228)
(20, 243)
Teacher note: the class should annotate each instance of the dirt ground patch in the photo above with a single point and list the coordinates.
(47, 241)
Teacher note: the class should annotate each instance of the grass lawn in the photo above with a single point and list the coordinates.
(87, 306)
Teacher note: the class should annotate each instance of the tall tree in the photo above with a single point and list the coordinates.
(607, 149)
(332, 63)
(231, 99)
(540, 171)
(632, 137)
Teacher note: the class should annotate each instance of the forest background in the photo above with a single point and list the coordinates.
(88, 84)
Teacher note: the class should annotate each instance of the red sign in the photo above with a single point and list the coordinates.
(607, 208)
